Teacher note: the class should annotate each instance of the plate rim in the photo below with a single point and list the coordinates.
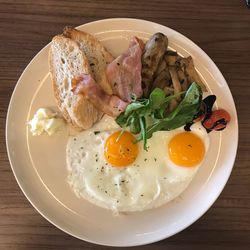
(201, 213)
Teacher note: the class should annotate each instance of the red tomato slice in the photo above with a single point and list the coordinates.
(218, 120)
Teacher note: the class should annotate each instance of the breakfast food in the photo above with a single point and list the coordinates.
(45, 120)
(98, 57)
(67, 60)
(153, 56)
(72, 54)
(150, 178)
(143, 118)
(123, 71)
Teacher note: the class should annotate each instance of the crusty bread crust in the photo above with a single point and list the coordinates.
(98, 57)
(66, 61)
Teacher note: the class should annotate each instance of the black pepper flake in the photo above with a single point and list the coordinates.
(145, 159)
(81, 147)
(96, 132)
(155, 159)
(92, 64)
(189, 145)
(74, 139)
(106, 191)
(96, 159)
(122, 181)
(118, 64)
(115, 84)
(115, 184)
(142, 195)
(117, 201)
(98, 186)
(106, 164)
(128, 149)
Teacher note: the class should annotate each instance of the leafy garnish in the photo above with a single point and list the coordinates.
(146, 116)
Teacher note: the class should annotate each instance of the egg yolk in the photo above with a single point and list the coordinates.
(120, 152)
(186, 149)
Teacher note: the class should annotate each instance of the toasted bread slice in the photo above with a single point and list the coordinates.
(66, 60)
(96, 54)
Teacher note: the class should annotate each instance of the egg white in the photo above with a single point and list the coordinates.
(151, 181)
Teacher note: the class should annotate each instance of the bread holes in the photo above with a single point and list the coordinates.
(68, 59)
(70, 101)
(71, 65)
(62, 60)
(66, 84)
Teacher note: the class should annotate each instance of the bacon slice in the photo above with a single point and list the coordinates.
(124, 73)
(109, 104)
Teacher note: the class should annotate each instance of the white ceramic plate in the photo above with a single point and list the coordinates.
(39, 165)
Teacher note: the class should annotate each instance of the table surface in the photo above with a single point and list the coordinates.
(220, 28)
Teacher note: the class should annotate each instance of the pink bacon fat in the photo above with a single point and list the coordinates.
(124, 73)
(108, 104)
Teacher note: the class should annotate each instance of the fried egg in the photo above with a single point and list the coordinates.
(115, 173)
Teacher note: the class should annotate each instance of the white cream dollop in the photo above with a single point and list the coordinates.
(45, 120)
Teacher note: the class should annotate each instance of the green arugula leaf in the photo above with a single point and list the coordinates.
(144, 133)
(156, 98)
(134, 126)
(135, 106)
(183, 113)
(138, 113)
